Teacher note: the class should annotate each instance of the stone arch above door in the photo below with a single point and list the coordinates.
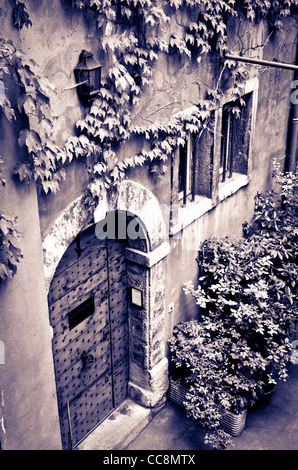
(135, 198)
(148, 371)
(129, 196)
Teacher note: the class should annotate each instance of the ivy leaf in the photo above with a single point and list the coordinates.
(4, 226)
(4, 272)
(100, 21)
(121, 82)
(31, 139)
(21, 16)
(15, 252)
(152, 55)
(175, 3)
(29, 105)
(251, 14)
(126, 12)
(2, 92)
(9, 254)
(84, 141)
(45, 86)
(2, 179)
(23, 170)
(50, 186)
(100, 168)
(150, 19)
(8, 110)
(101, 133)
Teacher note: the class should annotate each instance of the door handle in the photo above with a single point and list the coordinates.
(87, 358)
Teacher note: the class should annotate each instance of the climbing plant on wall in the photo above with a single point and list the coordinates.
(132, 35)
(33, 107)
(10, 254)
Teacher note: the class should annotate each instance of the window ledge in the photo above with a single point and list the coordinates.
(192, 211)
(232, 185)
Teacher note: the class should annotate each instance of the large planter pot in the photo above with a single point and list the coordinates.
(232, 423)
(229, 422)
(264, 398)
(177, 392)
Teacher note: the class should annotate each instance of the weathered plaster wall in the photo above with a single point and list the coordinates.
(269, 142)
(176, 86)
(227, 218)
(29, 418)
(54, 41)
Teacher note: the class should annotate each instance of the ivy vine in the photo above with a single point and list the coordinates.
(132, 34)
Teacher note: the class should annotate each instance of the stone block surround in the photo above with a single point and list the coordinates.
(148, 364)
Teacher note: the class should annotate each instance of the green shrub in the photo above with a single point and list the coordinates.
(247, 295)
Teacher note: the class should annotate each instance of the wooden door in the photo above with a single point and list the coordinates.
(88, 313)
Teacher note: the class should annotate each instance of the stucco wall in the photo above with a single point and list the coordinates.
(28, 409)
(28, 416)
(269, 142)
(55, 40)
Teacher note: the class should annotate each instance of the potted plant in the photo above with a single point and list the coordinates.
(248, 312)
(212, 392)
(236, 295)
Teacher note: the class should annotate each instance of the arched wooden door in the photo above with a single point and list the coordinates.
(88, 314)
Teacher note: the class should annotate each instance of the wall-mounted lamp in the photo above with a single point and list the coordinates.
(88, 76)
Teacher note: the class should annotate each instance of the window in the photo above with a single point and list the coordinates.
(185, 176)
(195, 164)
(235, 137)
(215, 161)
(225, 153)
(191, 178)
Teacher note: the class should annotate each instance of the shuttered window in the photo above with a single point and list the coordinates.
(235, 137)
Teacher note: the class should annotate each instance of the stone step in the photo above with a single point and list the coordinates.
(120, 428)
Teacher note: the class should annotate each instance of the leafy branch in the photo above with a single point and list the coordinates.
(10, 254)
(44, 157)
(133, 33)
